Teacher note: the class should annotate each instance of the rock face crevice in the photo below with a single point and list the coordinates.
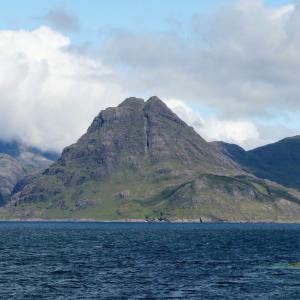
(146, 132)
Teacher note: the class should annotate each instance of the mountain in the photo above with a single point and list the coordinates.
(12, 148)
(11, 172)
(139, 160)
(17, 161)
(16, 149)
(279, 162)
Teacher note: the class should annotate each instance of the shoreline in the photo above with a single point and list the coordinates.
(175, 221)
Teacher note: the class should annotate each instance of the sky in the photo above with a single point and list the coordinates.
(229, 68)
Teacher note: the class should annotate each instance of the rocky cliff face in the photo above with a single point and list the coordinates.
(145, 138)
(139, 159)
(137, 135)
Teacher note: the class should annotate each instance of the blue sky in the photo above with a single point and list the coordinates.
(98, 15)
(230, 68)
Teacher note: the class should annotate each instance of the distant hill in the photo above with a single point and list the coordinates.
(11, 172)
(15, 148)
(139, 160)
(279, 162)
(17, 161)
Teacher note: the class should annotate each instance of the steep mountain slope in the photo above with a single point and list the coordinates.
(139, 160)
(279, 162)
(18, 161)
(11, 171)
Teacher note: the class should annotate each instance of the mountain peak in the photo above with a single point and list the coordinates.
(139, 160)
(157, 107)
(137, 144)
(154, 101)
(132, 102)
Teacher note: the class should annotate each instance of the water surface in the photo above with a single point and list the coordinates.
(69, 260)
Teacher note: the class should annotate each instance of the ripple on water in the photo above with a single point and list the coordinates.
(149, 261)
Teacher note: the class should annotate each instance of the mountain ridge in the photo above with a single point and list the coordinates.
(139, 160)
(279, 161)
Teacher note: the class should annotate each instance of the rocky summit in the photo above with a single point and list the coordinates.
(140, 161)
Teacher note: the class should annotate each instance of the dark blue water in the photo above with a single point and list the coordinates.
(148, 261)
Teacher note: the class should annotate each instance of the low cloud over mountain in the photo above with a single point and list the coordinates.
(242, 61)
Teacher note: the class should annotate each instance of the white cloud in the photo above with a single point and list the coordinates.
(239, 132)
(283, 11)
(48, 95)
(243, 62)
(243, 133)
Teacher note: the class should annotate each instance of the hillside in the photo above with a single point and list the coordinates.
(279, 162)
(11, 172)
(139, 160)
(18, 161)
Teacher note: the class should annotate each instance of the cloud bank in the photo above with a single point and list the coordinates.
(240, 132)
(243, 62)
(48, 95)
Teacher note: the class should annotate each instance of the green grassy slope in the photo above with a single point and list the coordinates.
(209, 197)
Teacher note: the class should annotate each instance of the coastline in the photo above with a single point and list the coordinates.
(175, 221)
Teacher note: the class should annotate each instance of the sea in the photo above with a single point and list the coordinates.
(97, 260)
